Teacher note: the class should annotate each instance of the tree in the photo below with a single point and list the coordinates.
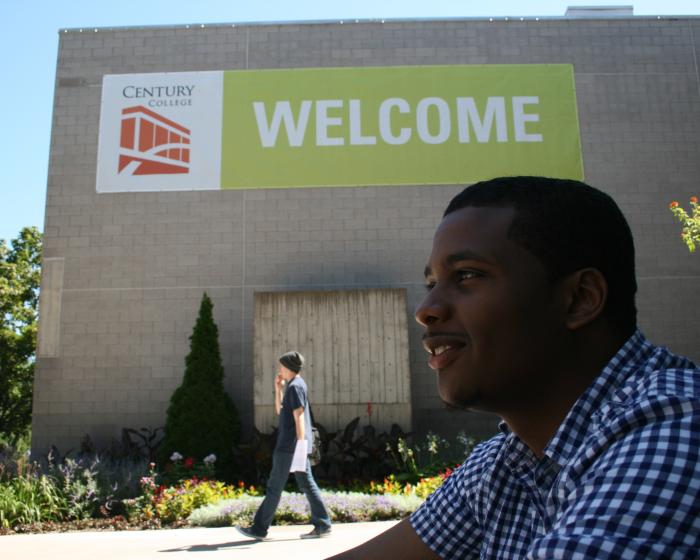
(202, 418)
(690, 233)
(20, 272)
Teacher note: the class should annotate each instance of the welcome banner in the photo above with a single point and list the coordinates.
(336, 127)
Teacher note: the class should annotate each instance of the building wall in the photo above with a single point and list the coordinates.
(135, 264)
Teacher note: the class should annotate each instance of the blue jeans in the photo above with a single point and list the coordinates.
(278, 478)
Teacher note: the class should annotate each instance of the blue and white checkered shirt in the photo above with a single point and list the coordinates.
(620, 478)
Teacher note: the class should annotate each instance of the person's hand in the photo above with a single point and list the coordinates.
(279, 382)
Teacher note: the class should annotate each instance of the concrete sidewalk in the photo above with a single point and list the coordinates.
(172, 544)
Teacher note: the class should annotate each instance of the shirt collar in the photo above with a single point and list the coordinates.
(599, 396)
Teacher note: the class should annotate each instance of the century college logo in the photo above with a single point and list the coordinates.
(152, 144)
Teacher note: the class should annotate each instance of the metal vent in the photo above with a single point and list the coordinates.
(599, 11)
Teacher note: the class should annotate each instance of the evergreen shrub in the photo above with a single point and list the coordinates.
(202, 418)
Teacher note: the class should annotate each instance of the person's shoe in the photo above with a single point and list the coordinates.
(248, 532)
(316, 533)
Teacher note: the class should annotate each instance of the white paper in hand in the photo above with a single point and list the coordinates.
(300, 456)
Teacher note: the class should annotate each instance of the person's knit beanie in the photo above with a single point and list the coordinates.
(292, 361)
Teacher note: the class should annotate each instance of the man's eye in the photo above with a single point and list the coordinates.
(468, 274)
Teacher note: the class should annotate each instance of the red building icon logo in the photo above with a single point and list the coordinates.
(151, 144)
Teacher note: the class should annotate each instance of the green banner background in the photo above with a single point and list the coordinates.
(247, 164)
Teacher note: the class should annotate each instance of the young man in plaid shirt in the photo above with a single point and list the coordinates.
(530, 314)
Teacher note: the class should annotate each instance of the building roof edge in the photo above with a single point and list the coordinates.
(353, 21)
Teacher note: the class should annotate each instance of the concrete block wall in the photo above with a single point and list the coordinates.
(136, 264)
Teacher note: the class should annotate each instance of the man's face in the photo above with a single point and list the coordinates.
(286, 374)
(493, 322)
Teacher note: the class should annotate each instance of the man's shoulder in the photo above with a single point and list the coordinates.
(298, 383)
(490, 448)
(662, 387)
(468, 487)
(296, 392)
(663, 373)
(482, 458)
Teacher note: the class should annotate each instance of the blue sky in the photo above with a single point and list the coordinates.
(29, 41)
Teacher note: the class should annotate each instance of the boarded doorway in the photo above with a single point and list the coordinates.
(356, 347)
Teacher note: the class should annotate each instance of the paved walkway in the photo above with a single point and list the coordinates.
(195, 544)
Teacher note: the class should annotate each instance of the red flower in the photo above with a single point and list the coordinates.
(673, 204)
(189, 463)
(369, 409)
(694, 199)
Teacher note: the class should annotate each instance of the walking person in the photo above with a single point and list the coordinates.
(294, 435)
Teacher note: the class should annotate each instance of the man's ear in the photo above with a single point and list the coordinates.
(586, 292)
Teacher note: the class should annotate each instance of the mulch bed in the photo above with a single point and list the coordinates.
(117, 523)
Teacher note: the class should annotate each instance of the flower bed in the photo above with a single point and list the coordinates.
(161, 505)
(94, 492)
(344, 507)
(210, 503)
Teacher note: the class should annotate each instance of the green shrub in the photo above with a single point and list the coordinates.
(202, 418)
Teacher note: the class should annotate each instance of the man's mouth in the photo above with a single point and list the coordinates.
(443, 350)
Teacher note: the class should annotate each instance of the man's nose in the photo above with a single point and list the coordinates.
(433, 309)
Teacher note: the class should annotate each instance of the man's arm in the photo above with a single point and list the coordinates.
(299, 422)
(279, 390)
(401, 541)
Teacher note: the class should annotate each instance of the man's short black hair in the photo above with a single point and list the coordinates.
(568, 225)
